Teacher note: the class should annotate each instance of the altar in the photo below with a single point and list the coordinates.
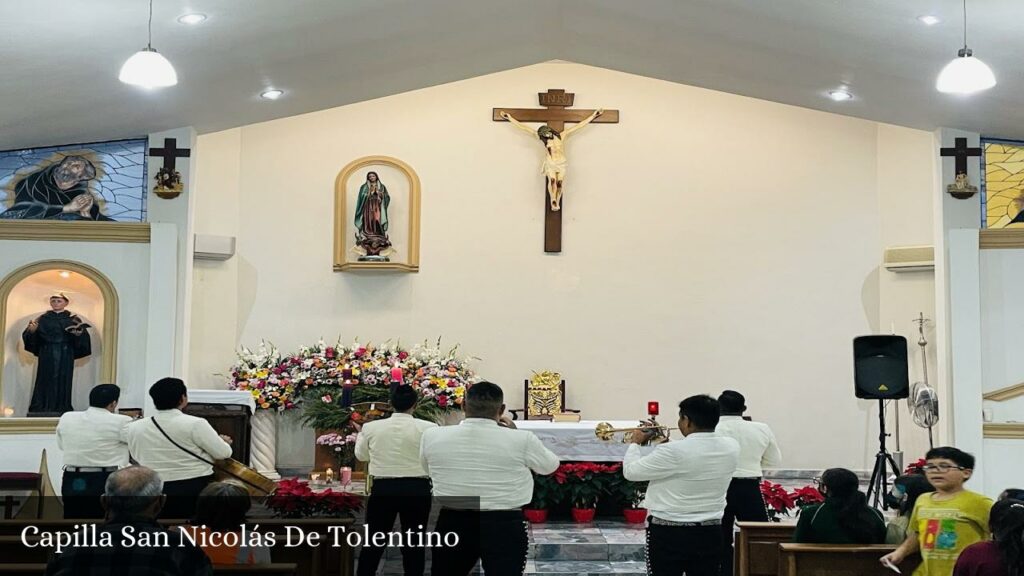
(576, 441)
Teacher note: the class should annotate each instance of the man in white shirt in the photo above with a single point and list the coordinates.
(686, 495)
(177, 446)
(401, 488)
(95, 444)
(758, 450)
(481, 472)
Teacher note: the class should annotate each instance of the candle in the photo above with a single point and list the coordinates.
(346, 394)
(329, 476)
(346, 373)
(652, 408)
(8, 412)
(396, 374)
(346, 475)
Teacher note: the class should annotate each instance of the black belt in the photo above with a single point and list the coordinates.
(757, 478)
(80, 469)
(659, 522)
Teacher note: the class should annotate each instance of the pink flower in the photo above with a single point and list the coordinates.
(329, 352)
(360, 351)
(442, 401)
(403, 355)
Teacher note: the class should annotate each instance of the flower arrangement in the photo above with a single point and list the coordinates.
(264, 374)
(343, 445)
(283, 381)
(295, 499)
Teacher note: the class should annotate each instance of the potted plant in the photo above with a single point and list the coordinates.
(545, 494)
(632, 495)
(584, 483)
(777, 501)
(295, 499)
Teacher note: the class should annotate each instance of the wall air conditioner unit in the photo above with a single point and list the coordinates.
(209, 247)
(909, 258)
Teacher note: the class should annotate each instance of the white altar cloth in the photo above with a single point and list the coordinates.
(576, 440)
(227, 397)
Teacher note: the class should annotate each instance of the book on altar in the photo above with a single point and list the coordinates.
(566, 417)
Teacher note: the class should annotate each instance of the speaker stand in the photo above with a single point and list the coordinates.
(878, 486)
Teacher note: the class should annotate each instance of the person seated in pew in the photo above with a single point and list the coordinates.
(946, 521)
(134, 544)
(1004, 554)
(844, 517)
(217, 526)
(903, 496)
(1014, 493)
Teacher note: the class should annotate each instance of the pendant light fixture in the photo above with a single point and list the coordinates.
(147, 67)
(965, 74)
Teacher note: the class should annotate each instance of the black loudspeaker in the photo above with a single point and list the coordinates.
(880, 369)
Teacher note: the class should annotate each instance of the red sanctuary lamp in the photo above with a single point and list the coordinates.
(652, 409)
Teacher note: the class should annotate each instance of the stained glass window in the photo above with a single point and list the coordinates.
(1002, 185)
(118, 186)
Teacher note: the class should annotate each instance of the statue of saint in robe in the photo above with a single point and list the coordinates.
(57, 338)
(58, 192)
(372, 219)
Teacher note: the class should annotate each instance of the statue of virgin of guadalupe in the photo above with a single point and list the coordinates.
(372, 218)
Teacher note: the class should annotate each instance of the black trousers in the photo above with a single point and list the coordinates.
(407, 499)
(181, 497)
(675, 550)
(498, 538)
(743, 502)
(81, 492)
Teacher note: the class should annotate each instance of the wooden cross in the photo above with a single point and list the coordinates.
(555, 115)
(961, 152)
(170, 152)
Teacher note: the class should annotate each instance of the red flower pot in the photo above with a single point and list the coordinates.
(583, 515)
(536, 516)
(635, 515)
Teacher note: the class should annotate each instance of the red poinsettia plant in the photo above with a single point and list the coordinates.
(778, 501)
(915, 467)
(585, 482)
(295, 499)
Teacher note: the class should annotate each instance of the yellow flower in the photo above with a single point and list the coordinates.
(262, 373)
(459, 392)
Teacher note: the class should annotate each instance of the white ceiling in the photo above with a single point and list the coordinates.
(59, 58)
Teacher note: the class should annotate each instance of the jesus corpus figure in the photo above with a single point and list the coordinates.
(555, 162)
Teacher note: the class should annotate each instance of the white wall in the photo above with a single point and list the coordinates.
(710, 241)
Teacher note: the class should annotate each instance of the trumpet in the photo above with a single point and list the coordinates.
(605, 431)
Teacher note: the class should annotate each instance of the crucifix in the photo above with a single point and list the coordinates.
(168, 179)
(960, 188)
(552, 135)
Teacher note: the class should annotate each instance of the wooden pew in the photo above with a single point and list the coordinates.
(258, 570)
(838, 560)
(757, 547)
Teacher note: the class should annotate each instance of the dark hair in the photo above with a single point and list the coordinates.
(853, 514)
(702, 410)
(1007, 523)
(222, 507)
(101, 396)
(732, 402)
(958, 456)
(374, 173)
(404, 397)
(167, 393)
(914, 485)
(483, 400)
(1012, 493)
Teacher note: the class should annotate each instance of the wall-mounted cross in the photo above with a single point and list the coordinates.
(170, 152)
(961, 152)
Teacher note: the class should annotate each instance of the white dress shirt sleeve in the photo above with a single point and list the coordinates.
(423, 452)
(538, 457)
(772, 455)
(658, 464)
(124, 429)
(362, 448)
(207, 438)
(60, 437)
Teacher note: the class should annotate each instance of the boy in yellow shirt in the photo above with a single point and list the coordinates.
(946, 521)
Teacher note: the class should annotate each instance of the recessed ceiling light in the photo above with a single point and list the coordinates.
(65, 274)
(928, 20)
(192, 19)
(272, 94)
(839, 95)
